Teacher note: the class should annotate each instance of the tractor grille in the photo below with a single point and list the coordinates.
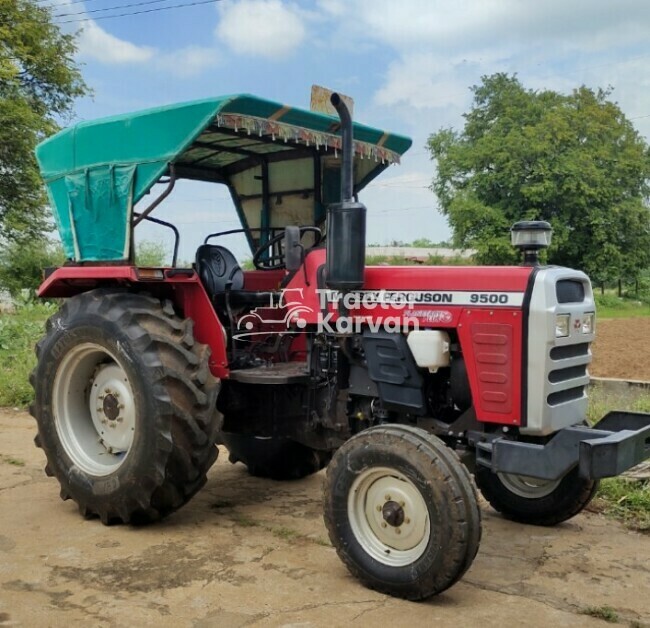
(568, 373)
(557, 365)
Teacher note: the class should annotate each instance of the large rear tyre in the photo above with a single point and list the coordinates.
(401, 511)
(274, 458)
(537, 502)
(125, 405)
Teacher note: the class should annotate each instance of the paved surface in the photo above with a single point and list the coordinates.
(250, 552)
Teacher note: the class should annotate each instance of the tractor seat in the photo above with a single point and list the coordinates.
(219, 272)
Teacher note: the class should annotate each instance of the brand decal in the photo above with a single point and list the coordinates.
(432, 316)
(399, 299)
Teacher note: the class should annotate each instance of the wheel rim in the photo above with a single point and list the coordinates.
(94, 409)
(527, 487)
(389, 517)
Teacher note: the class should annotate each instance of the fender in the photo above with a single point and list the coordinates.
(181, 285)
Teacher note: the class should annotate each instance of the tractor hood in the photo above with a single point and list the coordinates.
(97, 171)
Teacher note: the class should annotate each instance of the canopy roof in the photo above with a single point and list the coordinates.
(97, 171)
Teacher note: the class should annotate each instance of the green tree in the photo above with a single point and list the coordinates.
(39, 81)
(22, 264)
(150, 253)
(574, 160)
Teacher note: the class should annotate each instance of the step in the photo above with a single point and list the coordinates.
(278, 373)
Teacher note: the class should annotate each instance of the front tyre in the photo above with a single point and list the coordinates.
(401, 511)
(534, 501)
(125, 405)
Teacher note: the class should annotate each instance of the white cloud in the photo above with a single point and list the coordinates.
(189, 62)
(442, 48)
(333, 7)
(422, 81)
(95, 43)
(262, 28)
(473, 24)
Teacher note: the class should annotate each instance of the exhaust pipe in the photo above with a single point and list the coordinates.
(347, 168)
(346, 220)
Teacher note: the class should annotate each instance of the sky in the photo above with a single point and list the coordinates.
(408, 65)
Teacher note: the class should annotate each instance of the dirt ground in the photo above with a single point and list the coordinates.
(251, 552)
(622, 349)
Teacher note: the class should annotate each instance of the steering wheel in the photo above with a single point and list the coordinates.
(276, 262)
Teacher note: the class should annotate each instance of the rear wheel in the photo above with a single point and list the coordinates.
(274, 458)
(531, 500)
(125, 406)
(401, 511)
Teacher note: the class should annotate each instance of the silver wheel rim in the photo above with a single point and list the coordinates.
(527, 487)
(389, 516)
(94, 409)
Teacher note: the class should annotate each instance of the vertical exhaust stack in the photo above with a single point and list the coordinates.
(346, 220)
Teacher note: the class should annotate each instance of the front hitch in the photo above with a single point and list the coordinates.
(619, 441)
(627, 445)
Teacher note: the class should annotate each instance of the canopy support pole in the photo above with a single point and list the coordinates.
(161, 198)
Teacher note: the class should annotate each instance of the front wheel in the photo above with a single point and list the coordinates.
(534, 501)
(401, 511)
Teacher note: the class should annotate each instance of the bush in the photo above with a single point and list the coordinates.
(607, 300)
(149, 253)
(19, 333)
(21, 265)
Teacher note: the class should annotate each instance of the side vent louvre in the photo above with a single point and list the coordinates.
(569, 351)
(562, 396)
(562, 375)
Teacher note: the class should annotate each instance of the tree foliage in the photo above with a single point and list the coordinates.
(22, 264)
(150, 253)
(39, 81)
(574, 160)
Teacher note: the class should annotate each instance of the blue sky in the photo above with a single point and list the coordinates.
(408, 65)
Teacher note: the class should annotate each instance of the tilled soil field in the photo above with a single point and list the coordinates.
(622, 349)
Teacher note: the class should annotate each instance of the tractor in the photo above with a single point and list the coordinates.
(403, 381)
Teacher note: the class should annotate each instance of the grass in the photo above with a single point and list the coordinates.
(16, 462)
(601, 402)
(19, 333)
(607, 613)
(243, 521)
(282, 532)
(611, 306)
(624, 499)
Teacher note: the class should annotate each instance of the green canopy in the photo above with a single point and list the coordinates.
(97, 171)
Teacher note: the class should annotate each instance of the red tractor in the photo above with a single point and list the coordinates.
(389, 375)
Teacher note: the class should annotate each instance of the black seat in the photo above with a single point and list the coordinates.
(218, 269)
(219, 272)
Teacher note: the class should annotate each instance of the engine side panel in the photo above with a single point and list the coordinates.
(491, 341)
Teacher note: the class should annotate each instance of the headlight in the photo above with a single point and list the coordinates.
(588, 323)
(562, 325)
